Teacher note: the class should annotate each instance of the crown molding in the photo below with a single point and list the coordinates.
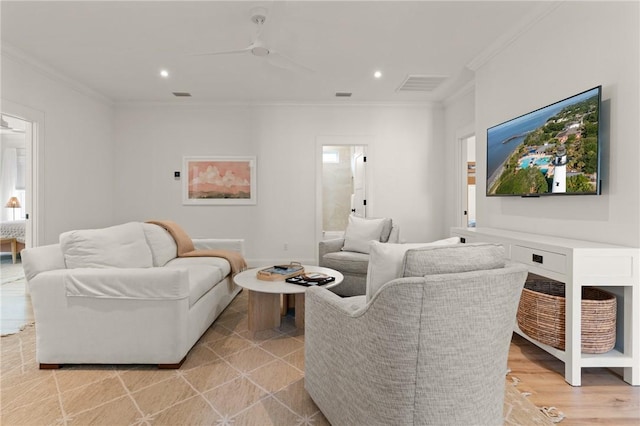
(16, 54)
(253, 104)
(529, 20)
(464, 90)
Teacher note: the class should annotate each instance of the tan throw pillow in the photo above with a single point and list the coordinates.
(361, 232)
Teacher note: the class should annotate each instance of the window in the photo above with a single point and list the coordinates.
(331, 157)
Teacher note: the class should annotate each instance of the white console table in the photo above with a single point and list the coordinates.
(578, 263)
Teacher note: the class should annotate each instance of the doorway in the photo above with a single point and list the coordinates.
(13, 186)
(12, 168)
(335, 201)
(343, 187)
(468, 189)
(20, 130)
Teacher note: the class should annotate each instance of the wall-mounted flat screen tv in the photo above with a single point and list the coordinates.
(553, 150)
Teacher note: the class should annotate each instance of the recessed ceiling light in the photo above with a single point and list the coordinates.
(377, 74)
(164, 73)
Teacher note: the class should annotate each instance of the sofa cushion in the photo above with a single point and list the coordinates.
(217, 262)
(361, 232)
(453, 259)
(347, 262)
(386, 262)
(120, 246)
(163, 246)
(202, 278)
(204, 273)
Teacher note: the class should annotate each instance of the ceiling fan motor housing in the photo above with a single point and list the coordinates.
(259, 49)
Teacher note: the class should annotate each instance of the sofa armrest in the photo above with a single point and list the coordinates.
(219, 244)
(88, 330)
(348, 306)
(329, 246)
(364, 349)
(40, 259)
(116, 283)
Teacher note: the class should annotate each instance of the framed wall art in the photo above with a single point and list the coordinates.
(219, 180)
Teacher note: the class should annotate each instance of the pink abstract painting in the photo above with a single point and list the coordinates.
(220, 181)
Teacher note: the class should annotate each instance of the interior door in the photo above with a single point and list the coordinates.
(359, 203)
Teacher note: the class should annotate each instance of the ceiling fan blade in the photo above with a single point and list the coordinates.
(223, 52)
(282, 61)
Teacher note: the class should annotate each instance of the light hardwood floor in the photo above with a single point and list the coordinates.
(603, 399)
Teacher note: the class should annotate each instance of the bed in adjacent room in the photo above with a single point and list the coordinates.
(13, 237)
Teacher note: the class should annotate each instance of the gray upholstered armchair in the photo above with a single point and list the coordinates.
(350, 255)
(427, 349)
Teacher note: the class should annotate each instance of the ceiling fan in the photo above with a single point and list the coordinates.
(259, 48)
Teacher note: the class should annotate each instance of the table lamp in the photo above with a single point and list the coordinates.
(14, 204)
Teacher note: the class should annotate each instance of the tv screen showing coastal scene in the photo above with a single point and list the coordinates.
(553, 150)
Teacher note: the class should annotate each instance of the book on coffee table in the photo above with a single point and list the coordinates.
(280, 272)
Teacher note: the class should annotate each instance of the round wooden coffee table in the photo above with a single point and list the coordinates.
(264, 296)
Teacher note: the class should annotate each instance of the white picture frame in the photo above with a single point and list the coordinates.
(219, 180)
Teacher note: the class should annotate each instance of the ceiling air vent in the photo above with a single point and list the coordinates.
(182, 94)
(421, 83)
(343, 94)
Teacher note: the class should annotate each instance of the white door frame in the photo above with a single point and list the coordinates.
(462, 135)
(339, 140)
(34, 143)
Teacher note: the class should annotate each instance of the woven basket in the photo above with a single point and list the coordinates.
(541, 315)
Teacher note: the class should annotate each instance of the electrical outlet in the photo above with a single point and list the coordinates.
(285, 246)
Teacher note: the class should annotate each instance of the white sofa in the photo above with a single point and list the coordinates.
(120, 295)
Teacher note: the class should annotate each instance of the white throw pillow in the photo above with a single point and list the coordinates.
(386, 259)
(361, 232)
(120, 246)
(163, 246)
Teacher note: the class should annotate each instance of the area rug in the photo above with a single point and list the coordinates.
(15, 304)
(10, 272)
(229, 378)
(518, 410)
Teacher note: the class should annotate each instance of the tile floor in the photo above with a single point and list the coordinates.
(228, 378)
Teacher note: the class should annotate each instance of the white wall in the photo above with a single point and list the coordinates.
(405, 161)
(577, 46)
(77, 141)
